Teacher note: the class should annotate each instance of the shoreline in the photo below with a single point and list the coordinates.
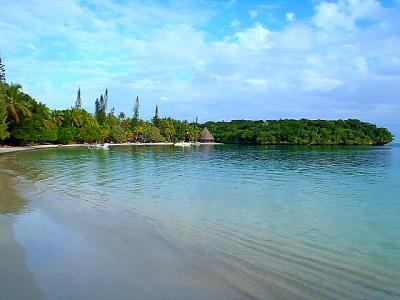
(4, 149)
(12, 149)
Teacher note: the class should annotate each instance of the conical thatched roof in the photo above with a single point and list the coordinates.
(206, 135)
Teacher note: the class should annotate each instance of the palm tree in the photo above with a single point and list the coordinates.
(45, 114)
(16, 102)
(76, 118)
(58, 117)
(3, 114)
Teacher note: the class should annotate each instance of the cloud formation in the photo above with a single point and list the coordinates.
(209, 59)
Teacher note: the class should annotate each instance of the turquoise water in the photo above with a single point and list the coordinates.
(277, 222)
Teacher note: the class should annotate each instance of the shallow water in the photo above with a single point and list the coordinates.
(208, 222)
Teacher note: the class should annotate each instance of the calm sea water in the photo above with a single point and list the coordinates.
(258, 222)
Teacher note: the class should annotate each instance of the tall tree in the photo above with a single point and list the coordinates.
(3, 113)
(2, 71)
(102, 103)
(105, 100)
(101, 110)
(156, 119)
(136, 109)
(78, 103)
(97, 107)
(156, 113)
(3, 106)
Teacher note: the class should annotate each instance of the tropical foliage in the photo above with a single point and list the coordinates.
(23, 120)
(300, 132)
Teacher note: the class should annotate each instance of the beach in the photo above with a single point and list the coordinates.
(10, 149)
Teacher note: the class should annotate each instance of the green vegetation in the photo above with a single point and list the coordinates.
(23, 120)
(3, 107)
(300, 132)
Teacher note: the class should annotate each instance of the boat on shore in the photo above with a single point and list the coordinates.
(104, 146)
(182, 144)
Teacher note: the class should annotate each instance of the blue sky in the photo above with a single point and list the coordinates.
(217, 60)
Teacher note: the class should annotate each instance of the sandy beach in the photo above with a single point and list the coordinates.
(11, 149)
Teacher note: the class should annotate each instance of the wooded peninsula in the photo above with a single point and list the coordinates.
(23, 120)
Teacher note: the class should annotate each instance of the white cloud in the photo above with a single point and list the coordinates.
(235, 23)
(253, 13)
(344, 14)
(290, 16)
(361, 9)
(297, 37)
(330, 16)
(258, 82)
(313, 81)
(256, 38)
(362, 64)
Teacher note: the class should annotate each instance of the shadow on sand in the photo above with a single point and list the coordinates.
(16, 281)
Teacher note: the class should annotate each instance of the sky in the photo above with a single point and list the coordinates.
(215, 60)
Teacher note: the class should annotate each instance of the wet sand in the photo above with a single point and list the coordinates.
(16, 281)
(11, 149)
(81, 252)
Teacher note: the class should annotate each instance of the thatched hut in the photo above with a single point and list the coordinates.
(206, 136)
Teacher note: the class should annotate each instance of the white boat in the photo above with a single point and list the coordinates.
(182, 144)
(104, 146)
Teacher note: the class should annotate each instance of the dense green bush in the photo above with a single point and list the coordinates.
(152, 134)
(66, 135)
(300, 132)
(89, 134)
(118, 134)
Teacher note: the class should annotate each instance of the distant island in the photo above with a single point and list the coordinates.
(300, 132)
(23, 121)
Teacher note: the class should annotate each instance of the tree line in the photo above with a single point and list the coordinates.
(300, 132)
(24, 120)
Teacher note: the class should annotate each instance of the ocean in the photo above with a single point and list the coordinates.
(206, 222)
